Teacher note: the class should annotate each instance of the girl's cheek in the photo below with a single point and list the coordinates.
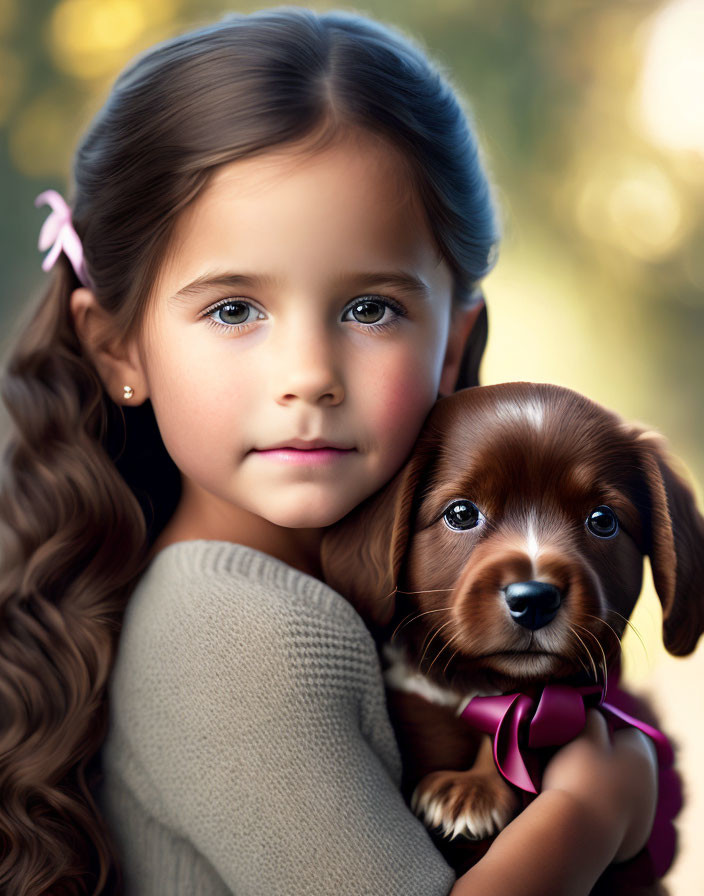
(409, 387)
(403, 402)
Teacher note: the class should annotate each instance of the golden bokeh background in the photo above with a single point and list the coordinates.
(591, 119)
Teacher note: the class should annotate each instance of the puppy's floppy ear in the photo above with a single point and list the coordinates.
(675, 544)
(362, 555)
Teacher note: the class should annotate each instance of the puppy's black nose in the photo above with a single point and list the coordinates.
(532, 604)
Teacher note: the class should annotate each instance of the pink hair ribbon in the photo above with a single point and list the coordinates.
(521, 724)
(57, 232)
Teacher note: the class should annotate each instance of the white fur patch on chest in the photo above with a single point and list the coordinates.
(401, 676)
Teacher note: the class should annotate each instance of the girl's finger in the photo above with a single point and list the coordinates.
(596, 728)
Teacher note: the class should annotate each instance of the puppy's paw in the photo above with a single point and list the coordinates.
(469, 804)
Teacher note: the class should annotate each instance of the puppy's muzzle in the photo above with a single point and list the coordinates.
(532, 604)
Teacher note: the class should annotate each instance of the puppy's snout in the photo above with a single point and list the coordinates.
(532, 604)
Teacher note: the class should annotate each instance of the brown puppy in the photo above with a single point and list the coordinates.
(508, 552)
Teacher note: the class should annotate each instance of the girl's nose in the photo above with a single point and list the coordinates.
(308, 370)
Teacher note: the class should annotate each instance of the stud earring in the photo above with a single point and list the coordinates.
(128, 392)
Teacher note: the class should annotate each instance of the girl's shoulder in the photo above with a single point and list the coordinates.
(239, 622)
(205, 602)
(198, 575)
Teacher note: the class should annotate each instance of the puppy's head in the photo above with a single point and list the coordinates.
(510, 545)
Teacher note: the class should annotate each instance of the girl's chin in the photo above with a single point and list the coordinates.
(313, 511)
(306, 520)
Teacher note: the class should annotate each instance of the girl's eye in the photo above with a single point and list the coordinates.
(602, 522)
(237, 315)
(463, 515)
(235, 312)
(370, 310)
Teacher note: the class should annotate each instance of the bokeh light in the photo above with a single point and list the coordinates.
(42, 137)
(671, 90)
(633, 204)
(90, 38)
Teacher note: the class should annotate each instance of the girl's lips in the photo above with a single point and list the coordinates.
(311, 456)
(306, 444)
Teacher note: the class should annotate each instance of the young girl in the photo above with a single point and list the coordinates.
(270, 271)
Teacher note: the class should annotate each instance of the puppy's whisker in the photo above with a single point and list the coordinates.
(603, 654)
(444, 646)
(618, 641)
(630, 625)
(389, 595)
(398, 590)
(435, 633)
(588, 652)
(599, 619)
(424, 590)
(432, 635)
(577, 656)
(454, 654)
(410, 618)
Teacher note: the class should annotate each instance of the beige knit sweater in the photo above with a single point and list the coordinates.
(249, 749)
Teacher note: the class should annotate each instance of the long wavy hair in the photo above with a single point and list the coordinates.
(86, 485)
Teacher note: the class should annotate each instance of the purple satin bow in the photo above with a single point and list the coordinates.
(520, 724)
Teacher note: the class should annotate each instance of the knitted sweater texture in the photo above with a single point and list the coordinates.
(249, 749)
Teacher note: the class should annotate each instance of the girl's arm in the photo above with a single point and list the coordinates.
(250, 745)
(597, 806)
(250, 739)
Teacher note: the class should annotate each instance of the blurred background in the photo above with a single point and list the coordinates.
(591, 119)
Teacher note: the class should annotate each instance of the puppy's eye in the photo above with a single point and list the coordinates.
(602, 522)
(462, 515)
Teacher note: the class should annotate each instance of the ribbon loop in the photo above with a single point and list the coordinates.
(58, 232)
(518, 724)
(559, 717)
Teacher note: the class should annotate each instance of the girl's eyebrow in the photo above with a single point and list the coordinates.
(405, 281)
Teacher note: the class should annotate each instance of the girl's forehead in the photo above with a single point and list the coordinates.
(353, 151)
(350, 206)
(353, 169)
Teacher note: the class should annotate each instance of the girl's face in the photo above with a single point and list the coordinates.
(307, 335)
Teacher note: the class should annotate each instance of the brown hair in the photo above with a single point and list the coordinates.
(87, 485)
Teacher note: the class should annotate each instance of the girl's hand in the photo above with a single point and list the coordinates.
(596, 807)
(616, 781)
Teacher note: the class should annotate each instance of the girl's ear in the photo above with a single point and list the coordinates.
(362, 555)
(117, 361)
(465, 347)
(675, 544)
